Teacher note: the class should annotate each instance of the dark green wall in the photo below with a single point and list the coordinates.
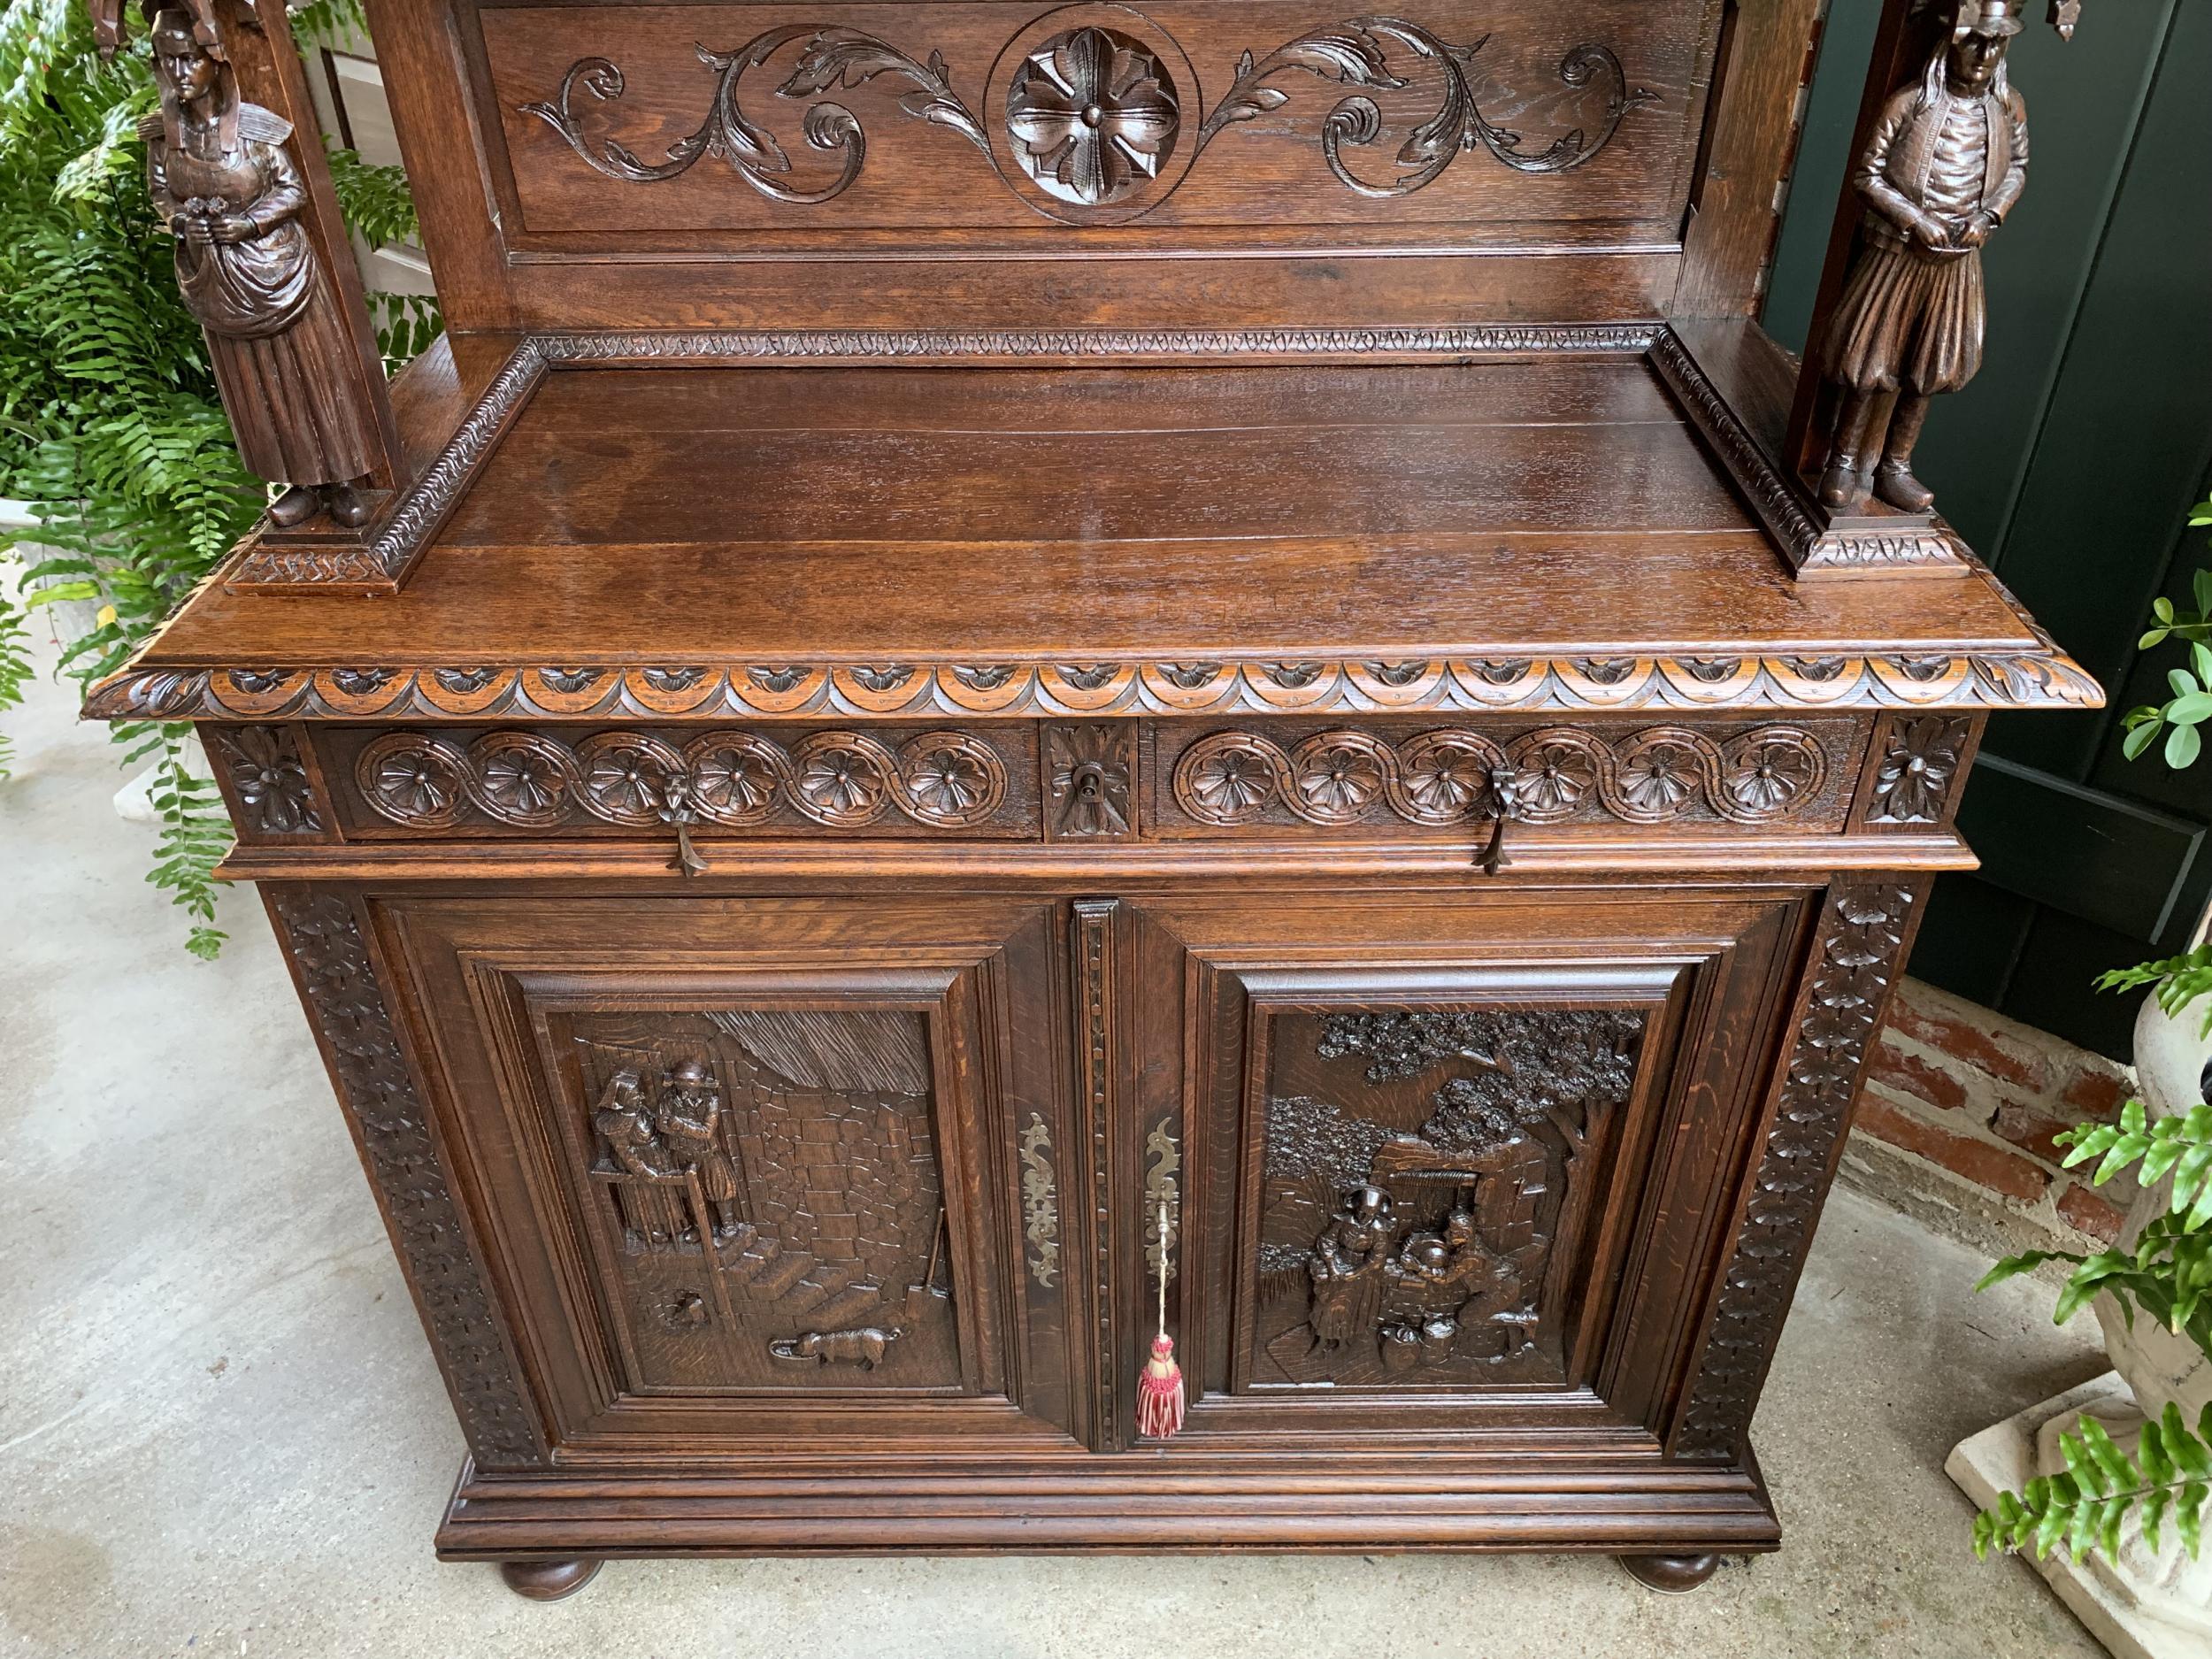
(2069, 465)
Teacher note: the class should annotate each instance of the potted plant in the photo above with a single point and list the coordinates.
(2107, 1486)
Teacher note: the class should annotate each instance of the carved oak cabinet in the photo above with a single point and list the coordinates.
(1015, 653)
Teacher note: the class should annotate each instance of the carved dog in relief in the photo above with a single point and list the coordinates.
(863, 1347)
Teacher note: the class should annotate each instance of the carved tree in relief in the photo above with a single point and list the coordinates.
(1412, 1205)
(230, 193)
(767, 1181)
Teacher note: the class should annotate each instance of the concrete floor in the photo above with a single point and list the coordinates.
(220, 1432)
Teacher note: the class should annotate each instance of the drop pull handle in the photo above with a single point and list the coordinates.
(1505, 784)
(676, 810)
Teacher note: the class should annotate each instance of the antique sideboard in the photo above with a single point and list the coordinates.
(1015, 654)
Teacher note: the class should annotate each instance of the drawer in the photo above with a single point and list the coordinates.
(1171, 783)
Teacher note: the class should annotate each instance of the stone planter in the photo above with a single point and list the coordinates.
(2143, 1604)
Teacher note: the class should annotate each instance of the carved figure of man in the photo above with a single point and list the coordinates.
(1946, 162)
(230, 195)
(622, 1120)
(689, 1115)
(1347, 1267)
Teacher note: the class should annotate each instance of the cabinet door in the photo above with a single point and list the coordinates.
(750, 1163)
(1444, 1163)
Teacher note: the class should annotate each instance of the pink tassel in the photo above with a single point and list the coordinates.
(1160, 1385)
(1160, 1392)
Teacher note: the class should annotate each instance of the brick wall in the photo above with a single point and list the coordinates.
(1956, 1121)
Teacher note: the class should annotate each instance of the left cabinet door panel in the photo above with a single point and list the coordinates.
(750, 1165)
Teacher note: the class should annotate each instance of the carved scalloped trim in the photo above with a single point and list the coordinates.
(2044, 679)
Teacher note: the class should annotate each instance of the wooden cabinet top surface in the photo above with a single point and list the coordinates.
(1544, 529)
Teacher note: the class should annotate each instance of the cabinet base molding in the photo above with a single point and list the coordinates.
(1656, 1513)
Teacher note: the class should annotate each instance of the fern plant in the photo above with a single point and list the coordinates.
(2168, 1276)
(110, 423)
(2167, 1273)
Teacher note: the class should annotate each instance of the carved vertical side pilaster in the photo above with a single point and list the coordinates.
(1094, 970)
(1861, 946)
(336, 972)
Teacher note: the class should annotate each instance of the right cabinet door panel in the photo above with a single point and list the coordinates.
(1450, 1162)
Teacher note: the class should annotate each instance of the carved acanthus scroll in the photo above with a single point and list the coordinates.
(1093, 115)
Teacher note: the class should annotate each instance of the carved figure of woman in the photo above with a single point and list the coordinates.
(230, 195)
(1946, 162)
(688, 1116)
(623, 1122)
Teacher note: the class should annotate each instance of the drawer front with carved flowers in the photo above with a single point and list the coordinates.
(770, 781)
(1376, 781)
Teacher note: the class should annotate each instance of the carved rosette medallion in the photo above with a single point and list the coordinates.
(736, 779)
(1861, 945)
(625, 777)
(950, 779)
(414, 779)
(1092, 114)
(1919, 764)
(1230, 777)
(268, 780)
(1766, 771)
(522, 778)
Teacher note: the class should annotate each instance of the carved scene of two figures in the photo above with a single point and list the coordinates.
(1422, 1170)
(1946, 162)
(227, 189)
(770, 1186)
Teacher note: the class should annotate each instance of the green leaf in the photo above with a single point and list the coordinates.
(2182, 746)
(2141, 737)
(2191, 710)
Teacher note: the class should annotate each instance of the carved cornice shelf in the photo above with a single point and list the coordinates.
(906, 690)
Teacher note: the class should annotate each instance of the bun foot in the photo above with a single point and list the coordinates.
(548, 1580)
(1669, 1575)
